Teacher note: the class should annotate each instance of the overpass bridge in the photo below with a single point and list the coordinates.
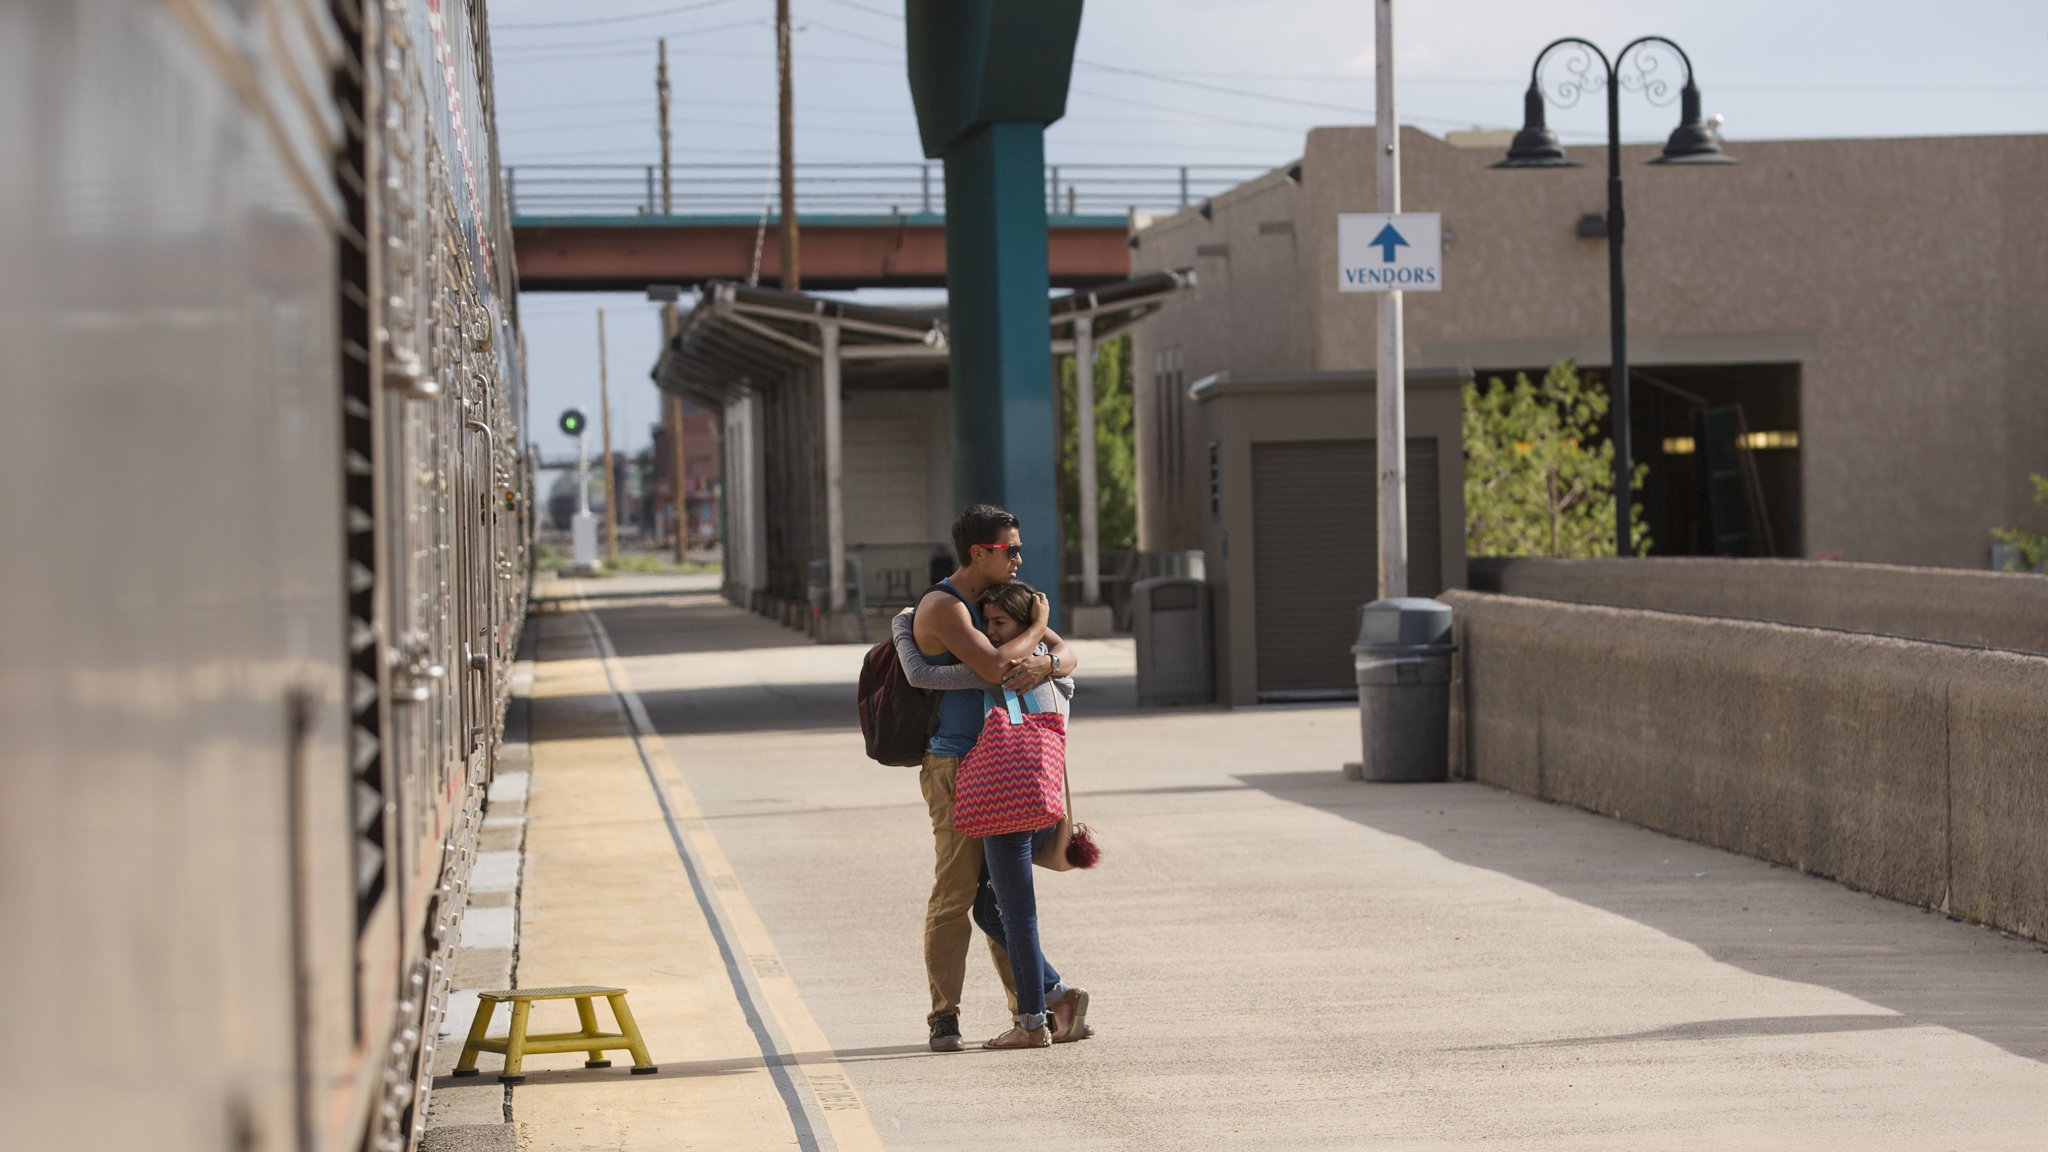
(613, 227)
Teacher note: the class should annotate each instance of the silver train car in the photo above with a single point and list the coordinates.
(263, 560)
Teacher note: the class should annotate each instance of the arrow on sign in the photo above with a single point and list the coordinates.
(1386, 242)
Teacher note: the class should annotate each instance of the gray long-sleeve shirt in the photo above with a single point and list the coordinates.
(1051, 696)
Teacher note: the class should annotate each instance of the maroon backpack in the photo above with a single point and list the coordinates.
(896, 719)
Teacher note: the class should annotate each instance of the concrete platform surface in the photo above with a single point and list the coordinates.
(1279, 958)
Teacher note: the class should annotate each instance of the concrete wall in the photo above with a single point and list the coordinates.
(1909, 769)
(1920, 354)
(1996, 609)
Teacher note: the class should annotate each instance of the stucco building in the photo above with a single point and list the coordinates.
(1879, 305)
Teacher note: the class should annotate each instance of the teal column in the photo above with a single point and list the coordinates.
(987, 76)
(1004, 446)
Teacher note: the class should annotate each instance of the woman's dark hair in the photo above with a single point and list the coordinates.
(980, 524)
(1015, 599)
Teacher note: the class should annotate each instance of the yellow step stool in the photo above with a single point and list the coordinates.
(517, 1045)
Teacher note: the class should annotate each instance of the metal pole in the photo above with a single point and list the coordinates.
(661, 89)
(927, 177)
(582, 474)
(611, 493)
(678, 474)
(1084, 416)
(672, 411)
(791, 279)
(1617, 323)
(1392, 437)
(835, 468)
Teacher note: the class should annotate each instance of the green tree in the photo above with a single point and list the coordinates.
(1116, 449)
(2033, 546)
(1539, 473)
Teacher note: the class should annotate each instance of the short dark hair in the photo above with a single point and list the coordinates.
(979, 525)
(1014, 598)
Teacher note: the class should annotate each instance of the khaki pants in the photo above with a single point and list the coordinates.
(956, 875)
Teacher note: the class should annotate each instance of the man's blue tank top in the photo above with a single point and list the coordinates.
(960, 710)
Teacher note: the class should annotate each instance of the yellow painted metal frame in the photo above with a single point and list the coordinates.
(518, 1044)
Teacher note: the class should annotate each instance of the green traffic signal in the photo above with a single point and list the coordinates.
(573, 422)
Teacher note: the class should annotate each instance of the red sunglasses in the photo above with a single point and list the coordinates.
(1011, 551)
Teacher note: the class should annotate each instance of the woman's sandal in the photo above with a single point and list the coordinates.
(1068, 1028)
(1040, 1037)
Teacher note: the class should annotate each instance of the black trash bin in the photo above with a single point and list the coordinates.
(1403, 659)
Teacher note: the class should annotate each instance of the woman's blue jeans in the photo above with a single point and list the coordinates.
(1006, 908)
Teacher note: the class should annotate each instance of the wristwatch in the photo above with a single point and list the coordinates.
(1055, 663)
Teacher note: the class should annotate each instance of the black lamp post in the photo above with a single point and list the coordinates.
(1536, 146)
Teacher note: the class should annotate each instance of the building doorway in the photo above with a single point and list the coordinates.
(1722, 445)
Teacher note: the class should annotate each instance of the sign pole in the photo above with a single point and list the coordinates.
(611, 476)
(583, 526)
(1392, 439)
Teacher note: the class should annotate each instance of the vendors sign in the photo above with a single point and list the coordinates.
(1377, 252)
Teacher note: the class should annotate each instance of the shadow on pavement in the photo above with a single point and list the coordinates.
(1761, 918)
(813, 707)
(668, 625)
(1720, 1029)
(683, 1070)
(724, 710)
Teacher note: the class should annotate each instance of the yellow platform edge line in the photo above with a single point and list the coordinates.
(846, 1115)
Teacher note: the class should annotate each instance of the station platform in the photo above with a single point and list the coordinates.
(1279, 958)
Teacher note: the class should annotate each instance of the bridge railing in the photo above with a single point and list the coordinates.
(866, 189)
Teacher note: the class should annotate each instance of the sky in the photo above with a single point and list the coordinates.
(1221, 82)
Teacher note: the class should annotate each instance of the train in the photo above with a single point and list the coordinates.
(263, 565)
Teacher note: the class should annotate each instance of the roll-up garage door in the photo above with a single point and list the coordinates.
(1315, 556)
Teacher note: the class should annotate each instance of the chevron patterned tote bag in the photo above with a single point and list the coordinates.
(1014, 780)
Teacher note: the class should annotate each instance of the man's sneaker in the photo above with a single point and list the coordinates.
(946, 1034)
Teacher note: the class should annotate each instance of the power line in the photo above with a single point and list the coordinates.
(575, 106)
(694, 102)
(750, 125)
(1489, 82)
(510, 117)
(1184, 111)
(1161, 78)
(593, 21)
(896, 16)
(634, 40)
(851, 34)
(614, 53)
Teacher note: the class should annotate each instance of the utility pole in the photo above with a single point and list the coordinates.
(672, 410)
(661, 91)
(611, 487)
(1392, 435)
(791, 280)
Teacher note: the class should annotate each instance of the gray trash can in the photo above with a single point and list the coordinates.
(1403, 659)
(1176, 643)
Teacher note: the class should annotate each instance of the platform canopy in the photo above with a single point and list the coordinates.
(740, 338)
